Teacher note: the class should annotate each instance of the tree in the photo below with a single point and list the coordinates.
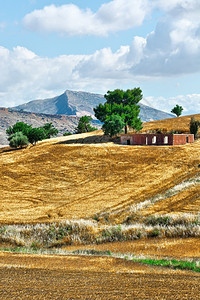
(84, 125)
(18, 139)
(177, 110)
(49, 130)
(36, 134)
(19, 127)
(123, 104)
(194, 126)
(112, 125)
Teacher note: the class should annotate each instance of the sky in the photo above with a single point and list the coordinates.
(47, 47)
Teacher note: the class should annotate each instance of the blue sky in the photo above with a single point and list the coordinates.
(47, 47)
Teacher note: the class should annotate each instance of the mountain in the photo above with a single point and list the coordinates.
(82, 103)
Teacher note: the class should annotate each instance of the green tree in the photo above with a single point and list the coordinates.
(113, 124)
(36, 134)
(84, 125)
(18, 139)
(49, 130)
(177, 110)
(123, 104)
(17, 127)
(194, 126)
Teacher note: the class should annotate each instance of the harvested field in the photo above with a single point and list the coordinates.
(56, 181)
(81, 191)
(179, 248)
(73, 277)
(179, 124)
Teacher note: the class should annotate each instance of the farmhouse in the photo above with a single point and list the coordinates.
(156, 139)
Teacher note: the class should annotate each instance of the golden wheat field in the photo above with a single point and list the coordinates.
(58, 180)
(87, 192)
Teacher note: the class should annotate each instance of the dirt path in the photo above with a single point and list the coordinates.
(74, 277)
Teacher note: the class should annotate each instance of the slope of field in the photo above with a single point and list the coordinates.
(81, 192)
(59, 180)
(179, 124)
(73, 277)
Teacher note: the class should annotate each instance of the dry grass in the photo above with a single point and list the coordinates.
(179, 124)
(53, 181)
(80, 192)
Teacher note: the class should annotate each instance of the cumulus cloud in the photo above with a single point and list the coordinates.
(190, 103)
(173, 47)
(69, 19)
(171, 50)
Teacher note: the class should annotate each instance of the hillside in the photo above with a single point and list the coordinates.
(85, 194)
(9, 117)
(82, 103)
(65, 180)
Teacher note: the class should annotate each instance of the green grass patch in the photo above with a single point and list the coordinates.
(175, 264)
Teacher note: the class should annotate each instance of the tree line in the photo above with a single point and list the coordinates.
(22, 134)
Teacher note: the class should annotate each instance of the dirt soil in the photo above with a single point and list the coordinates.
(74, 277)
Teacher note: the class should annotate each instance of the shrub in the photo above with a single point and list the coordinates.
(194, 126)
(67, 133)
(18, 139)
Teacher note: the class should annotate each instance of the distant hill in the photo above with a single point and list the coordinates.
(82, 103)
(9, 117)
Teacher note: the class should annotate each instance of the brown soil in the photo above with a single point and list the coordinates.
(72, 277)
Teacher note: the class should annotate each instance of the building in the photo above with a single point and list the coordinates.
(156, 139)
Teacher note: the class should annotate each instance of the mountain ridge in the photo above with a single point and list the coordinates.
(82, 103)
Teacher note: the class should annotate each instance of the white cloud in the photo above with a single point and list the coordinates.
(190, 103)
(25, 76)
(69, 19)
(171, 50)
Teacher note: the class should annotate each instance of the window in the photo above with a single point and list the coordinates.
(128, 142)
(166, 140)
(187, 139)
(154, 140)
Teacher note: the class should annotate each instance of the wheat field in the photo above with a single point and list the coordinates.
(87, 193)
(58, 180)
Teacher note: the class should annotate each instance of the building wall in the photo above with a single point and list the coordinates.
(156, 139)
(182, 139)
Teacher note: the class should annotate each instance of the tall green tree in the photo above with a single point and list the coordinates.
(123, 104)
(84, 125)
(177, 110)
(113, 124)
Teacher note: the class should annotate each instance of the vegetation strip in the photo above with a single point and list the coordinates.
(174, 264)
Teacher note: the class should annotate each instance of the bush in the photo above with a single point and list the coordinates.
(194, 126)
(67, 133)
(18, 139)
